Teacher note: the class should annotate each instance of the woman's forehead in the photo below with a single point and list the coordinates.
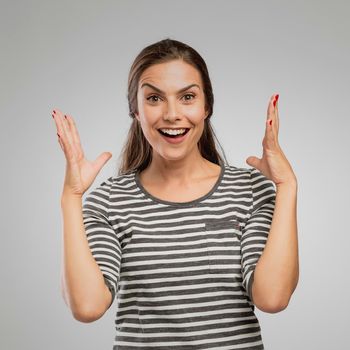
(175, 70)
(170, 77)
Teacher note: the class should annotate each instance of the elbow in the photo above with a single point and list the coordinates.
(272, 306)
(83, 313)
(86, 315)
(94, 311)
(90, 312)
(272, 303)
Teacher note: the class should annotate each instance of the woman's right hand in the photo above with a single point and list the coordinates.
(80, 172)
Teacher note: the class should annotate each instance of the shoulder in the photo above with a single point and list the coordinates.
(254, 174)
(263, 190)
(260, 181)
(101, 192)
(238, 172)
(251, 177)
(115, 182)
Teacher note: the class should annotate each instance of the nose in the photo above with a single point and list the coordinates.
(172, 112)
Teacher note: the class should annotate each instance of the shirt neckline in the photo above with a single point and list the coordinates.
(180, 204)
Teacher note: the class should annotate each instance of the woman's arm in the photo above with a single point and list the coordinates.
(277, 271)
(83, 286)
(82, 282)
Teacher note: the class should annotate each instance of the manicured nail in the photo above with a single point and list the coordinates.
(54, 112)
(59, 136)
(271, 122)
(53, 116)
(275, 101)
(65, 116)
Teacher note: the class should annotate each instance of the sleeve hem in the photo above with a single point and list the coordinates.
(250, 286)
(251, 193)
(109, 284)
(111, 289)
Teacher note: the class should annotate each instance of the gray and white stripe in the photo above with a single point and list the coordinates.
(182, 272)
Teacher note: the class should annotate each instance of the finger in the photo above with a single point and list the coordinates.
(271, 114)
(270, 108)
(270, 140)
(270, 119)
(101, 160)
(277, 124)
(63, 132)
(58, 117)
(75, 135)
(60, 142)
(66, 126)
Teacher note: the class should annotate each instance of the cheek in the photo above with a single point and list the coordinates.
(148, 120)
(149, 114)
(196, 114)
(151, 111)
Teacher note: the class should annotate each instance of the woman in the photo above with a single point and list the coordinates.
(189, 244)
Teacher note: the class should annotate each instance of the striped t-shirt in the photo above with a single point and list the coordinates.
(182, 273)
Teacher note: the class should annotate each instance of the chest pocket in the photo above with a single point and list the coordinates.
(224, 247)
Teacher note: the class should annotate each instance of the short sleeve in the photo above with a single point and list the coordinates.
(257, 227)
(102, 238)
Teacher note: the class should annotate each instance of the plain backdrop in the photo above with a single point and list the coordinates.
(76, 55)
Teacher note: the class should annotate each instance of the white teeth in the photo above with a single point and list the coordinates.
(173, 132)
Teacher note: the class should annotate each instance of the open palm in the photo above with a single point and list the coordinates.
(80, 172)
(273, 163)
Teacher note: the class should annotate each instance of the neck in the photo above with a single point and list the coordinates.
(179, 172)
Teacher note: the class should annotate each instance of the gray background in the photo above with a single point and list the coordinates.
(75, 56)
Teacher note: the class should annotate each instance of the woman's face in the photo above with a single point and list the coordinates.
(170, 96)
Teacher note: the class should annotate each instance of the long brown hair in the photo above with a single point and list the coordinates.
(137, 152)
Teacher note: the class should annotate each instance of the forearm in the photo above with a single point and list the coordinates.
(82, 281)
(277, 271)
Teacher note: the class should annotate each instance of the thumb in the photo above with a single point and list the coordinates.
(102, 159)
(253, 161)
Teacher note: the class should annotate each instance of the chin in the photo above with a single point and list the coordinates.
(173, 155)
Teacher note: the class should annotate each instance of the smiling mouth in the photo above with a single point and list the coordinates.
(174, 136)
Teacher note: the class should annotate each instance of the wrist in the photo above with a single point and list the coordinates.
(68, 197)
(290, 185)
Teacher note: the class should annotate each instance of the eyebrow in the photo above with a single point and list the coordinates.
(162, 92)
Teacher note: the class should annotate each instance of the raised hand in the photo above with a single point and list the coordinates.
(273, 164)
(80, 172)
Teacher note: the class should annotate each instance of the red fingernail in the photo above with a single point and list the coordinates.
(54, 112)
(65, 116)
(53, 116)
(59, 136)
(271, 122)
(275, 101)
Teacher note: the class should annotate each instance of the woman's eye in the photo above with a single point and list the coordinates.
(153, 97)
(189, 95)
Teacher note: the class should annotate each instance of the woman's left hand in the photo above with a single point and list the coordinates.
(273, 164)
